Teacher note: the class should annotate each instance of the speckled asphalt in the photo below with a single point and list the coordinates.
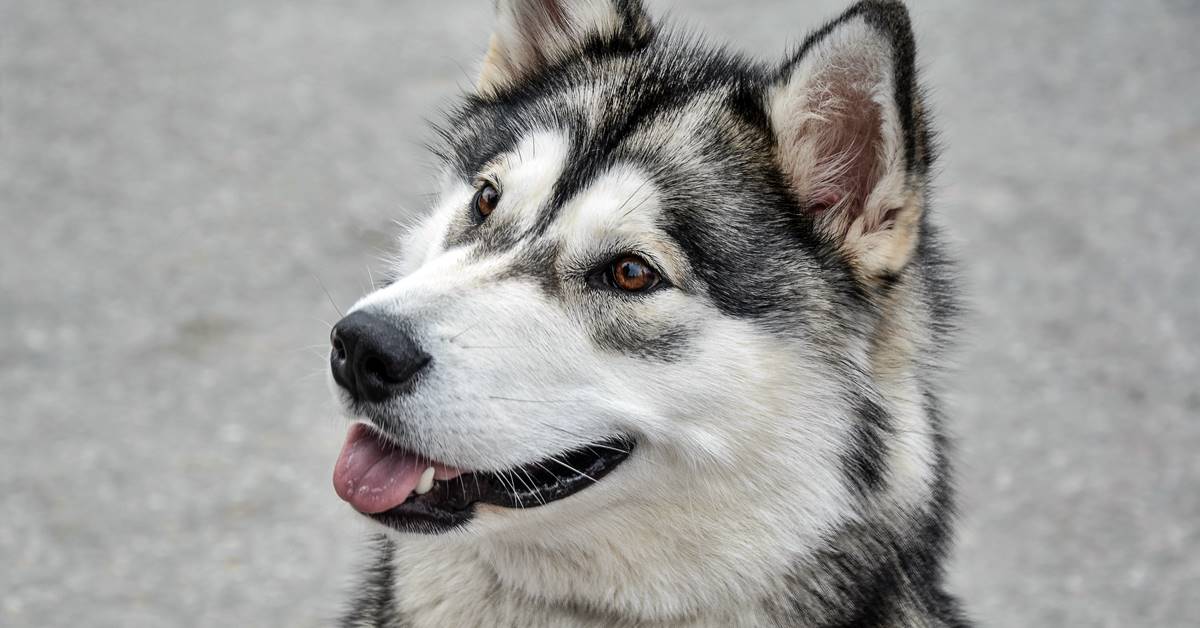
(176, 178)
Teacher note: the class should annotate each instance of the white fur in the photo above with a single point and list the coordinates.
(737, 466)
(738, 473)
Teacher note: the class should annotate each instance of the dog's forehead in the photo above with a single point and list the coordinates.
(527, 175)
(684, 139)
(584, 144)
(587, 173)
(617, 210)
(599, 101)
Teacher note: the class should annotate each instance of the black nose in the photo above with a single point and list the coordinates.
(372, 358)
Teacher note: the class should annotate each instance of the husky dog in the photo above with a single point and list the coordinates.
(665, 352)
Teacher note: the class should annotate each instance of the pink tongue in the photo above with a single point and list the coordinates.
(373, 476)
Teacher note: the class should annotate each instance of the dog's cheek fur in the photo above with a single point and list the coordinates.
(692, 463)
(525, 175)
(700, 481)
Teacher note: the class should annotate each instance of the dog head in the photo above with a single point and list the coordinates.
(665, 293)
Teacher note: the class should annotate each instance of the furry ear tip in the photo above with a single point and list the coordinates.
(895, 8)
(531, 35)
(887, 20)
(891, 19)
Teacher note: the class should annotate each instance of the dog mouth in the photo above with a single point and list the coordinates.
(411, 493)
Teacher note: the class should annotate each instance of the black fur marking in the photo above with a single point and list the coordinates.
(865, 460)
(488, 235)
(538, 261)
(635, 23)
(665, 344)
(745, 101)
(595, 150)
(886, 571)
(937, 283)
(373, 599)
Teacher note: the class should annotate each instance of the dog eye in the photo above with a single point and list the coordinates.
(487, 197)
(633, 274)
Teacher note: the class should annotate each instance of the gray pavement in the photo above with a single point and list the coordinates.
(176, 176)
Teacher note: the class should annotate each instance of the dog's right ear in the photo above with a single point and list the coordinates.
(531, 35)
(852, 138)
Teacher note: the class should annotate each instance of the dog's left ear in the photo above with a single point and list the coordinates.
(851, 138)
(531, 35)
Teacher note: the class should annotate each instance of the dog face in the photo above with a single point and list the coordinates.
(656, 297)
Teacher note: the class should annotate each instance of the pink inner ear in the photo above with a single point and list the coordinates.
(839, 141)
(823, 201)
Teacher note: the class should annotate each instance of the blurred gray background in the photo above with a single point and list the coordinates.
(176, 176)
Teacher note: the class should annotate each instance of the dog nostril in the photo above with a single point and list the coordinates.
(339, 349)
(376, 368)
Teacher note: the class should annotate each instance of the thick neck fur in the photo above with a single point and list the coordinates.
(457, 587)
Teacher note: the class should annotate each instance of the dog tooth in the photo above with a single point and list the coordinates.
(426, 482)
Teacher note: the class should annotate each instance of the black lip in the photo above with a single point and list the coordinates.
(451, 503)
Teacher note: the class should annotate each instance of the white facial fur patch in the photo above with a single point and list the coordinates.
(527, 175)
(618, 212)
(716, 464)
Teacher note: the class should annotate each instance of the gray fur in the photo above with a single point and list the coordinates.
(856, 348)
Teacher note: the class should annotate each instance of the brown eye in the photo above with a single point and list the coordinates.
(632, 274)
(486, 200)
